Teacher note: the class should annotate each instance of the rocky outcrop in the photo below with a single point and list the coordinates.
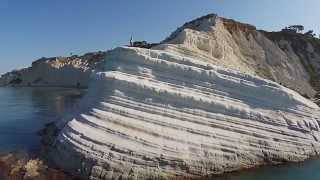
(302, 48)
(19, 166)
(235, 45)
(71, 71)
(152, 114)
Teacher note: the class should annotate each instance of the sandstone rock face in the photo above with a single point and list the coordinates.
(71, 71)
(235, 45)
(154, 114)
(303, 48)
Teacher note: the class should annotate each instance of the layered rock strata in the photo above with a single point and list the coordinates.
(155, 114)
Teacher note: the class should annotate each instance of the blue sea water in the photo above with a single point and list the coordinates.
(309, 170)
(24, 111)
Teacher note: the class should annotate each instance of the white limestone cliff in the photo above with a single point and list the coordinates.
(71, 71)
(155, 114)
(215, 96)
(291, 59)
(235, 45)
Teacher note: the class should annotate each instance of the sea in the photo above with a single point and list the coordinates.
(25, 111)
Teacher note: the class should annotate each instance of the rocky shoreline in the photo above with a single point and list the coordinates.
(23, 166)
(20, 166)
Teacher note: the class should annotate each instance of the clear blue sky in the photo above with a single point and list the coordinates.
(34, 28)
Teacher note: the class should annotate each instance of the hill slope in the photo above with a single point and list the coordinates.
(287, 58)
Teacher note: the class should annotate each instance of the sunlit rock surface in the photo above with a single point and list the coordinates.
(155, 114)
(289, 59)
(73, 71)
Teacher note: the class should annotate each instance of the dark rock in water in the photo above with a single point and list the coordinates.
(48, 134)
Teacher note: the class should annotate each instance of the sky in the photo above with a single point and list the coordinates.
(30, 29)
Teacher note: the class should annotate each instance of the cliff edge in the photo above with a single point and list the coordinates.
(289, 59)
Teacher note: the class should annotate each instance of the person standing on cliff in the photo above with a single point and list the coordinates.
(131, 43)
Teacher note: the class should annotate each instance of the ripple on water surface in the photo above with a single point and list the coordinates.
(308, 170)
(24, 111)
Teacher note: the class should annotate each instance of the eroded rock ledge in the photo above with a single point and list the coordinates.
(153, 114)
